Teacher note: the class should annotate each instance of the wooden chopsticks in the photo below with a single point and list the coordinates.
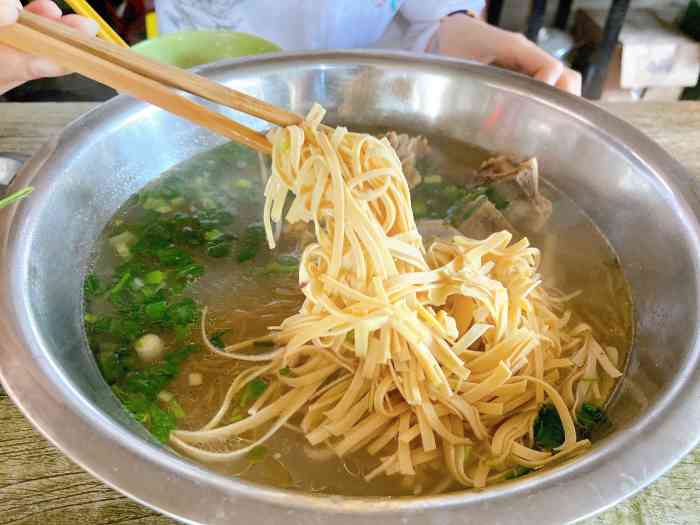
(143, 78)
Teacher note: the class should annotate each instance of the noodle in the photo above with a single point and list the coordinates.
(416, 355)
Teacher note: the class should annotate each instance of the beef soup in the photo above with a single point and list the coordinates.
(193, 240)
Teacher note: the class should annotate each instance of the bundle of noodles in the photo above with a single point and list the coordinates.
(416, 357)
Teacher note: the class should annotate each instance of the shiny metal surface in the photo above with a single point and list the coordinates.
(640, 198)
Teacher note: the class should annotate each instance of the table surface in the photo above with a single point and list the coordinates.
(39, 485)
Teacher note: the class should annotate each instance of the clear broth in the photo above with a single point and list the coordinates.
(241, 299)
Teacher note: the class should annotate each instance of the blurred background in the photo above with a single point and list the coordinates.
(626, 50)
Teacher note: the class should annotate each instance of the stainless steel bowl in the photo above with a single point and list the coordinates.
(640, 197)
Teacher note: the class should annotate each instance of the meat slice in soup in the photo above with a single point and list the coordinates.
(518, 184)
(485, 220)
(435, 229)
(410, 149)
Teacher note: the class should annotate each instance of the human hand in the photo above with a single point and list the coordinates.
(461, 36)
(17, 67)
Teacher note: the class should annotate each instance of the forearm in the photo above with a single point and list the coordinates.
(467, 37)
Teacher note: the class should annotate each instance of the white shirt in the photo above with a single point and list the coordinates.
(317, 24)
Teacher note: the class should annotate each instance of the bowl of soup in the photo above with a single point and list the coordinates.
(142, 259)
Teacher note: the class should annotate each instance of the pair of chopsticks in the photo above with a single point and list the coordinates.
(129, 72)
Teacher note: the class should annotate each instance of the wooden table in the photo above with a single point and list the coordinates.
(39, 485)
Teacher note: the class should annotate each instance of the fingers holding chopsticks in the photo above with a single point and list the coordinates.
(17, 67)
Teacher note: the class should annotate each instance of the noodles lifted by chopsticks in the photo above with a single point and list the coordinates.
(417, 357)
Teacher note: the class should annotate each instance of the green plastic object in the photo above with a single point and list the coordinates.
(187, 49)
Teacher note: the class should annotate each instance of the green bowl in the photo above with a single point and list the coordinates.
(193, 48)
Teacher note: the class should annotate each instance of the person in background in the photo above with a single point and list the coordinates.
(447, 27)
(17, 67)
(452, 28)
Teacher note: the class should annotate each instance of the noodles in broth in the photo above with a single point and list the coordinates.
(412, 355)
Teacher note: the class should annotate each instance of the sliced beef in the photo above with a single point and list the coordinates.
(410, 150)
(494, 168)
(484, 221)
(435, 229)
(518, 183)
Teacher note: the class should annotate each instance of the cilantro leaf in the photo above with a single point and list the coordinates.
(251, 241)
(518, 472)
(253, 391)
(548, 430)
(588, 418)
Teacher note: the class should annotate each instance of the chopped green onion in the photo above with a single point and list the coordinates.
(208, 203)
(253, 391)
(92, 286)
(182, 332)
(548, 429)
(420, 210)
(496, 199)
(184, 312)
(452, 193)
(154, 277)
(121, 243)
(110, 366)
(160, 422)
(159, 205)
(121, 283)
(250, 243)
(217, 339)
(218, 248)
(432, 179)
(156, 311)
(126, 238)
(257, 454)
(173, 256)
(518, 472)
(212, 235)
(122, 250)
(243, 183)
(165, 396)
(16, 196)
(467, 453)
(288, 260)
(176, 409)
(588, 418)
(285, 372)
(191, 271)
(275, 267)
